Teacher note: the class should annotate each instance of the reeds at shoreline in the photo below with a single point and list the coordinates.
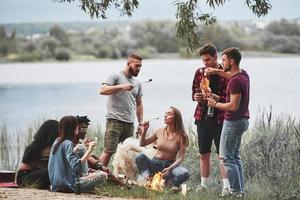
(270, 152)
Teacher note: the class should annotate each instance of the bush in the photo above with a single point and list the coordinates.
(50, 44)
(271, 155)
(25, 57)
(147, 51)
(62, 54)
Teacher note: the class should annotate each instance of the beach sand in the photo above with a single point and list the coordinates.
(36, 194)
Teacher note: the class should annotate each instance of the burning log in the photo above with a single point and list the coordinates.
(156, 183)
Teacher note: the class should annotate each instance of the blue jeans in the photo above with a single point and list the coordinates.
(230, 143)
(149, 167)
(94, 179)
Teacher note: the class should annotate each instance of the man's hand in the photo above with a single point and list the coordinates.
(214, 96)
(211, 70)
(127, 86)
(198, 97)
(92, 144)
(86, 141)
(105, 169)
(142, 128)
(211, 102)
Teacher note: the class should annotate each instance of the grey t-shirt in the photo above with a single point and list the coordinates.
(122, 105)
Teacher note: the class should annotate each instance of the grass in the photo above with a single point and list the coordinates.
(270, 152)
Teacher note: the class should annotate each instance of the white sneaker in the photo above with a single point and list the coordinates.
(237, 195)
(201, 188)
(225, 192)
(175, 188)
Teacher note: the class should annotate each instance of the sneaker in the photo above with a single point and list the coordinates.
(175, 188)
(201, 189)
(237, 195)
(225, 192)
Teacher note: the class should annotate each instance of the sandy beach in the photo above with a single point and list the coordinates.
(29, 193)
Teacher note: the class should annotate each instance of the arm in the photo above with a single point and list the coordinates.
(145, 141)
(220, 72)
(233, 105)
(196, 91)
(196, 84)
(84, 158)
(113, 89)
(139, 110)
(180, 158)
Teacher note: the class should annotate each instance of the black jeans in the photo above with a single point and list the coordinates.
(38, 178)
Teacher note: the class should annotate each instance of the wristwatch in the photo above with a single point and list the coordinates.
(98, 165)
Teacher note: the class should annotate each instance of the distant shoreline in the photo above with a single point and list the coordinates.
(176, 56)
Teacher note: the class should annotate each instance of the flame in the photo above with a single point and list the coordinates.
(156, 183)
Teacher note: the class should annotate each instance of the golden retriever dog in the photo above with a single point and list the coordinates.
(124, 159)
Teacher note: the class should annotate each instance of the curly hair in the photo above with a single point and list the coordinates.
(43, 138)
(83, 119)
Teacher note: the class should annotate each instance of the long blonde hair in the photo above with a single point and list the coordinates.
(179, 127)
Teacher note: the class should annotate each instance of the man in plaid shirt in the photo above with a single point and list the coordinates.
(209, 128)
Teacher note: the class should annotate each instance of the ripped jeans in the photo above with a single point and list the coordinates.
(148, 167)
(230, 143)
(88, 181)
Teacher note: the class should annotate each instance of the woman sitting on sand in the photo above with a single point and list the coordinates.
(33, 169)
(171, 142)
(65, 167)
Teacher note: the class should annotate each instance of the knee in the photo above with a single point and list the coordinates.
(140, 157)
(204, 156)
(186, 175)
(181, 175)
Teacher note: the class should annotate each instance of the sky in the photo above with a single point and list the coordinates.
(19, 11)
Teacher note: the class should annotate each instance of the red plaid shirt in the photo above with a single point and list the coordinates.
(222, 85)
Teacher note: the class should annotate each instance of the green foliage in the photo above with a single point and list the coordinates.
(60, 35)
(259, 7)
(188, 13)
(160, 35)
(2, 33)
(284, 27)
(271, 154)
(50, 44)
(25, 57)
(62, 54)
(7, 43)
(269, 150)
(150, 38)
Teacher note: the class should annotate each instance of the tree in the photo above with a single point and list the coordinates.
(188, 13)
(60, 35)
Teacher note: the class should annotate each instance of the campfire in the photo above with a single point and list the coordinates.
(156, 182)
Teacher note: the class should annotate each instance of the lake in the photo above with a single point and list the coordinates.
(33, 91)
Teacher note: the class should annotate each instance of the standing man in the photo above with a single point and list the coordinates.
(236, 119)
(124, 101)
(209, 128)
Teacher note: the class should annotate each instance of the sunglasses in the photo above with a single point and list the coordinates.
(83, 129)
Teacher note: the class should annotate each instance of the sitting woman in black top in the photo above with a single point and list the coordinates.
(33, 169)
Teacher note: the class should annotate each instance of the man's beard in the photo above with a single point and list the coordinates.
(132, 72)
(227, 69)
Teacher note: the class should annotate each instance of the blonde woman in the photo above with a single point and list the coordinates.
(171, 142)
